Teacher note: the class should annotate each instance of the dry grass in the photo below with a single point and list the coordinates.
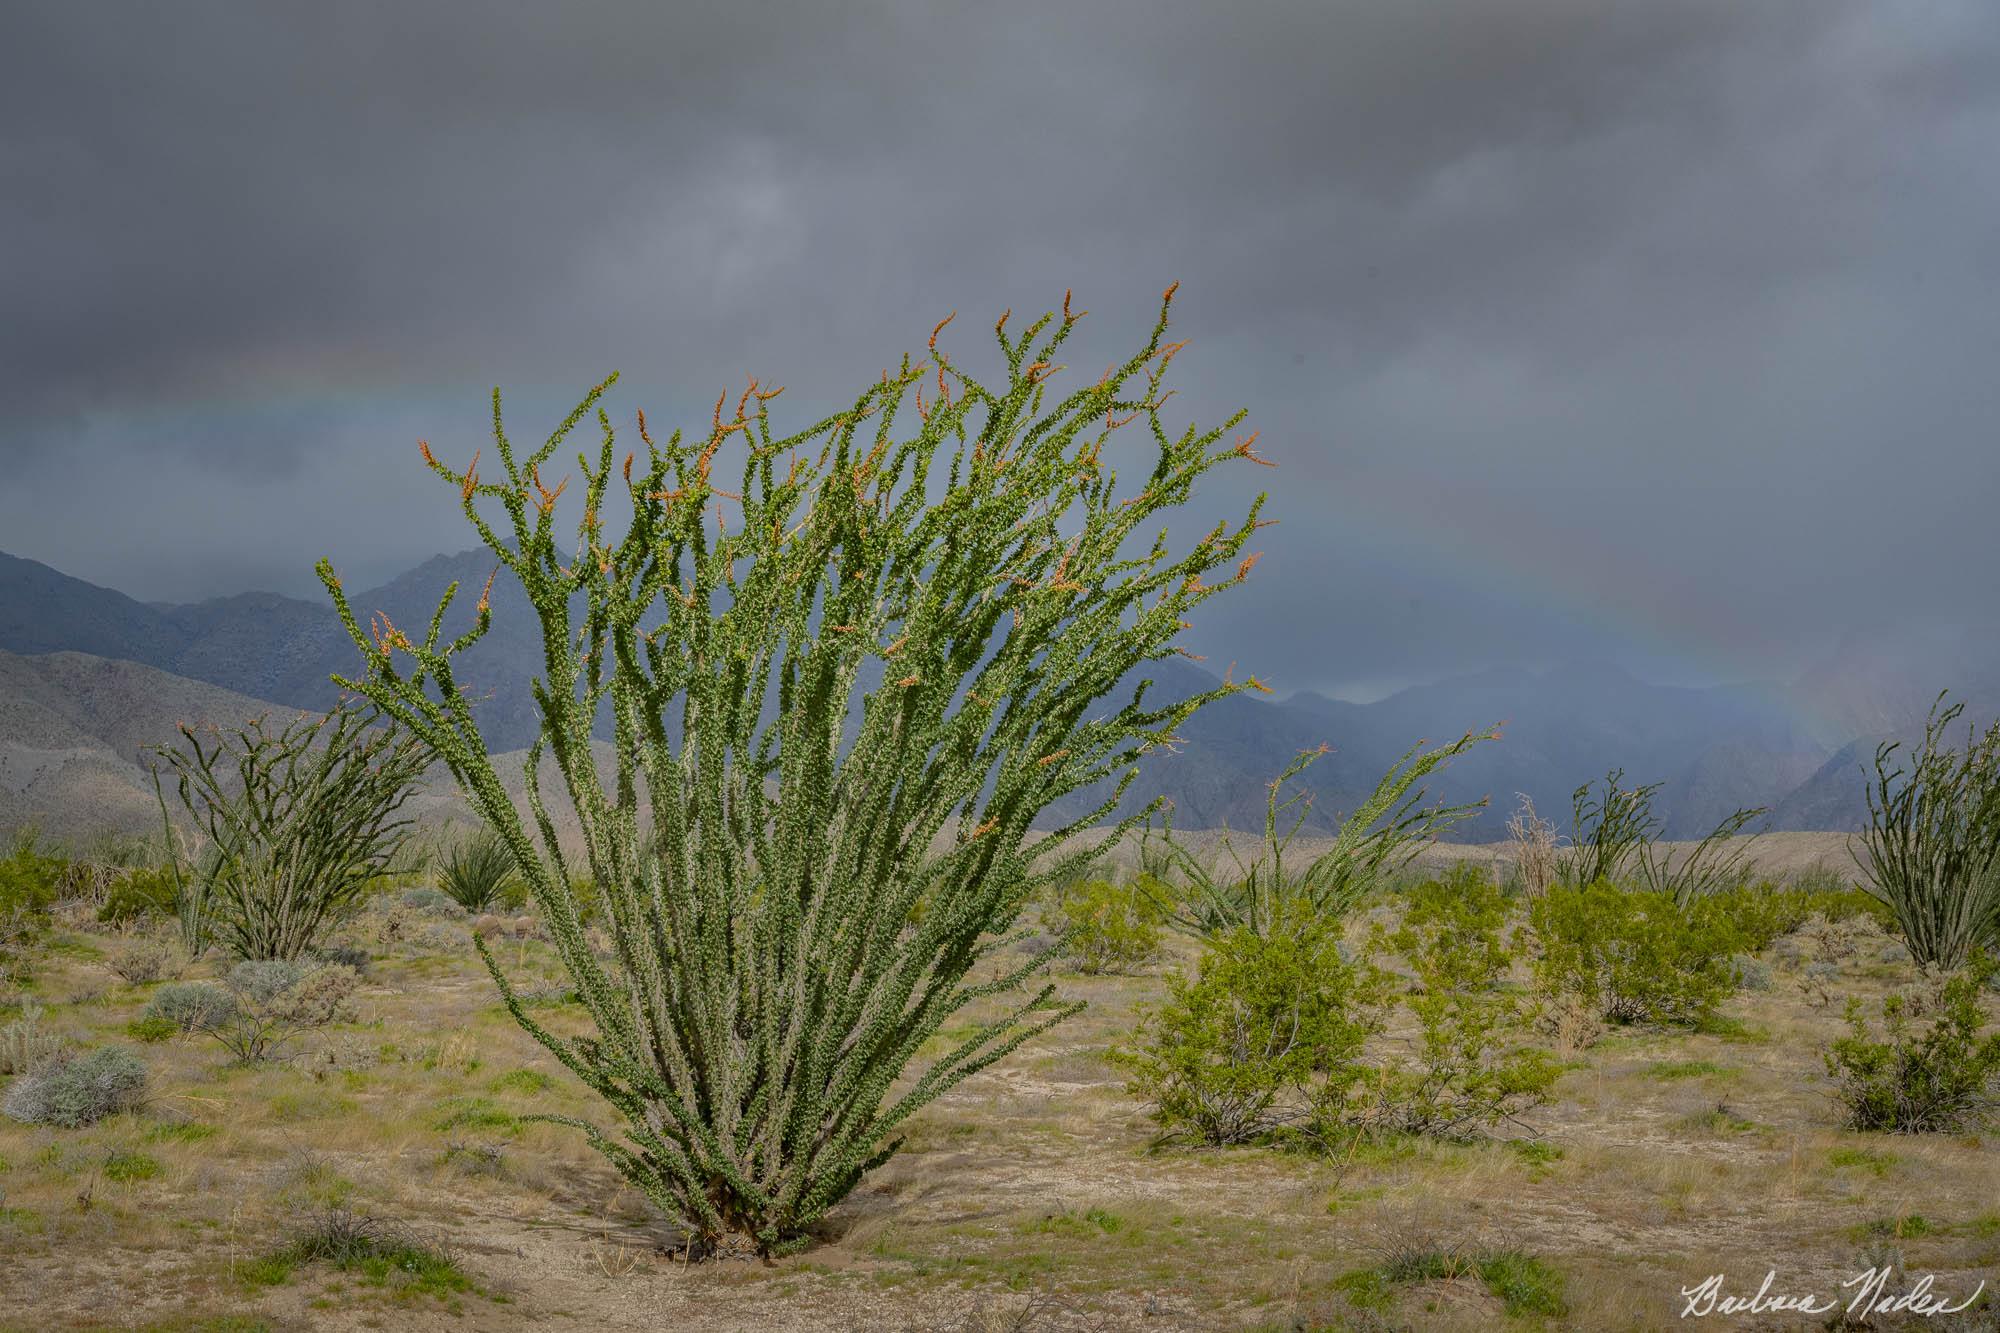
(1030, 1199)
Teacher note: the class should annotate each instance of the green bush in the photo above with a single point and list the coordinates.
(73, 1091)
(1633, 956)
(138, 893)
(1941, 1078)
(1106, 927)
(1467, 1073)
(1762, 913)
(30, 879)
(1266, 1035)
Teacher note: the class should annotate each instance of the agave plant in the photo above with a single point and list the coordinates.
(477, 872)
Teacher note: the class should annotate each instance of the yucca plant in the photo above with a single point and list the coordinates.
(792, 914)
(1378, 838)
(477, 871)
(1932, 846)
(299, 820)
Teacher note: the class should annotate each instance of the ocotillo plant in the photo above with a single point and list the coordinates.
(1616, 836)
(1932, 846)
(298, 822)
(1261, 895)
(792, 915)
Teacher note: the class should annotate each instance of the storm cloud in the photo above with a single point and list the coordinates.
(1657, 331)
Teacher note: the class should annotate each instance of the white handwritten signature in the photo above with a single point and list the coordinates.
(1872, 1295)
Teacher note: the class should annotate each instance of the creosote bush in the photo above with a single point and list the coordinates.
(960, 558)
(299, 821)
(1106, 926)
(1267, 1035)
(1281, 1034)
(1633, 956)
(1941, 1078)
(1468, 1072)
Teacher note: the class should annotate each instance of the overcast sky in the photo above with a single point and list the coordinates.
(1662, 331)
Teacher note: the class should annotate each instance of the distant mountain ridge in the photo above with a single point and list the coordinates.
(1797, 748)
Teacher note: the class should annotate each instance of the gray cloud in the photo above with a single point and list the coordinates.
(1579, 326)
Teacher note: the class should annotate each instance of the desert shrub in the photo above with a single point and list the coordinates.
(1266, 1035)
(477, 873)
(1940, 1078)
(31, 879)
(1633, 956)
(1467, 1073)
(344, 955)
(1615, 836)
(430, 902)
(1373, 842)
(299, 821)
(26, 1044)
(855, 695)
(1932, 845)
(142, 962)
(70, 1091)
(1751, 973)
(190, 1006)
(137, 893)
(260, 1006)
(1106, 927)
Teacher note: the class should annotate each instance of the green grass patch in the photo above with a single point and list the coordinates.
(1539, 1155)
(151, 1029)
(181, 1131)
(125, 1167)
(1866, 1159)
(1678, 1069)
(472, 1113)
(1907, 1226)
(312, 1104)
(523, 1080)
(20, 1221)
(373, 1253)
(1076, 1226)
(1522, 1283)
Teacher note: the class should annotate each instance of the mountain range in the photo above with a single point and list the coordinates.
(89, 675)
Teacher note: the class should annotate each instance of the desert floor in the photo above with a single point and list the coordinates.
(1034, 1197)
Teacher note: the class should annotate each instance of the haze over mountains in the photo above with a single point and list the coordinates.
(89, 675)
